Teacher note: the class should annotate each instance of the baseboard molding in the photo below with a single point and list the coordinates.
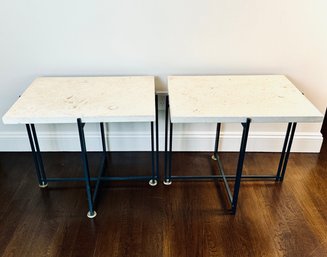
(186, 141)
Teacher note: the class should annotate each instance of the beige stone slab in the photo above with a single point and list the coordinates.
(262, 98)
(93, 99)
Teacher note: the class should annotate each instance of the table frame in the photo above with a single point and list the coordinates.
(232, 197)
(92, 196)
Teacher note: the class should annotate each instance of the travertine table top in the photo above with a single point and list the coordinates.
(262, 98)
(93, 99)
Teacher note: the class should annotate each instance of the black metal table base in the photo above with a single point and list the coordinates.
(40, 173)
(232, 196)
(92, 194)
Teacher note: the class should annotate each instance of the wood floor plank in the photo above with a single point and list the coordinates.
(183, 219)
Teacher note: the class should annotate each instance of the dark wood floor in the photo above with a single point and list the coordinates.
(184, 219)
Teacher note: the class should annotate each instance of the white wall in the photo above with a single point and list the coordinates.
(149, 37)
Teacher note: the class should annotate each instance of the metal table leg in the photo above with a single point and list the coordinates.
(153, 181)
(91, 213)
(167, 180)
(281, 178)
(282, 156)
(37, 155)
(103, 162)
(155, 156)
(157, 139)
(215, 152)
(246, 127)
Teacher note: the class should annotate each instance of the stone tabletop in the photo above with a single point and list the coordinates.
(263, 98)
(93, 99)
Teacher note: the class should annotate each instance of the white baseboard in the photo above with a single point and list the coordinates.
(186, 141)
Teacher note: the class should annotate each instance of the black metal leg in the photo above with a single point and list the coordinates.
(91, 213)
(103, 162)
(157, 138)
(170, 151)
(153, 181)
(103, 139)
(215, 151)
(166, 180)
(155, 160)
(239, 170)
(282, 157)
(288, 151)
(36, 157)
(39, 157)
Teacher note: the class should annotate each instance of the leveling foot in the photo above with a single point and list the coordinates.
(153, 182)
(91, 216)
